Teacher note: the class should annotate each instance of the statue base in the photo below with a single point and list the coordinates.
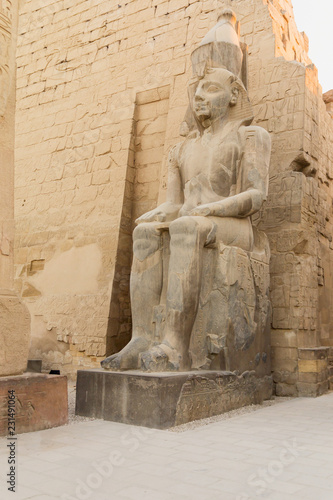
(164, 400)
(41, 402)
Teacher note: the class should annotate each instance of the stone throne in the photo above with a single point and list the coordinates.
(200, 275)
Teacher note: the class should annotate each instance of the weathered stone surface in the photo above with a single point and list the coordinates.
(286, 390)
(330, 377)
(316, 353)
(41, 402)
(164, 400)
(314, 375)
(328, 97)
(312, 390)
(113, 88)
(14, 316)
(200, 276)
(14, 335)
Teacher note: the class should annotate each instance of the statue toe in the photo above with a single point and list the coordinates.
(155, 360)
(158, 359)
(111, 363)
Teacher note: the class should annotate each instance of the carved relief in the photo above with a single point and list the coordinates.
(7, 52)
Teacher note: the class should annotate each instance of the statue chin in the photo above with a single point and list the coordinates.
(203, 117)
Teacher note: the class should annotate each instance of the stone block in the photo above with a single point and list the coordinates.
(311, 366)
(314, 353)
(283, 338)
(281, 364)
(285, 390)
(41, 402)
(285, 377)
(313, 378)
(283, 353)
(306, 339)
(14, 334)
(164, 400)
(312, 390)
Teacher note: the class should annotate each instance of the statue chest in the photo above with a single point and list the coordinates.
(214, 159)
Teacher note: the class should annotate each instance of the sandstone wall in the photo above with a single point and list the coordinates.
(101, 96)
(14, 317)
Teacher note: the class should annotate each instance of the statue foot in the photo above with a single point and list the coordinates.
(127, 358)
(160, 358)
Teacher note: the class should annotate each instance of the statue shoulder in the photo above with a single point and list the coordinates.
(176, 151)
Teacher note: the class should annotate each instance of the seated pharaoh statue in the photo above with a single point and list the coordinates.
(199, 281)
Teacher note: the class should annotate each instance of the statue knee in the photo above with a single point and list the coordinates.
(140, 231)
(146, 241)
(184, 225)
(191, 227)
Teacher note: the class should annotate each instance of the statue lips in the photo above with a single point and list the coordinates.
(202, 109)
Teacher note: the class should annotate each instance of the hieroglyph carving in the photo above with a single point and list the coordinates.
(7, 50)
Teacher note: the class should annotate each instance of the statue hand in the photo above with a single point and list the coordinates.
(156, 215)
(202, 210)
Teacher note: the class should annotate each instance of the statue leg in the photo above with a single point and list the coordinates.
(188, 237)
(146, 287)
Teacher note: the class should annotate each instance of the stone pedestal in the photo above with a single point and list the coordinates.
(164, 400)
(41, 402)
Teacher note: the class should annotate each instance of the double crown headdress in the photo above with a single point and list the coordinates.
(221, 49)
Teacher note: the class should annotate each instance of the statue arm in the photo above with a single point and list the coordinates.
(239, 205)
(252, 179)
(169, 210)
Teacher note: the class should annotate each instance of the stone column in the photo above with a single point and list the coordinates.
(14, 316)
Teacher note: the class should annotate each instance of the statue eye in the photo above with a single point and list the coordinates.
(213, 88)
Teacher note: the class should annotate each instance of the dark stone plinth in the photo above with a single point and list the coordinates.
(163, 400)
(41, 402)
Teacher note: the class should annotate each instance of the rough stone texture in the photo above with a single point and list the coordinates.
(328, 100)
(80, 111)
(330, 368)
(41, 402)
(297, 215)
(14, 317)
(14, 334)
(313, 371)
(200, 275)
(164, 400)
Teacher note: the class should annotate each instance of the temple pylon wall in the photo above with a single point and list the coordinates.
(100, 101)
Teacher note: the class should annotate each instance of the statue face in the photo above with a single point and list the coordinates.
(212, 98)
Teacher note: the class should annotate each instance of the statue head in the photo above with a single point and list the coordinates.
(215, 93)
(219, 95)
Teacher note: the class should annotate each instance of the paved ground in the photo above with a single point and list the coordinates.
(282, 452)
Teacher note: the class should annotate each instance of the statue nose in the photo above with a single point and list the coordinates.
(198, 96)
